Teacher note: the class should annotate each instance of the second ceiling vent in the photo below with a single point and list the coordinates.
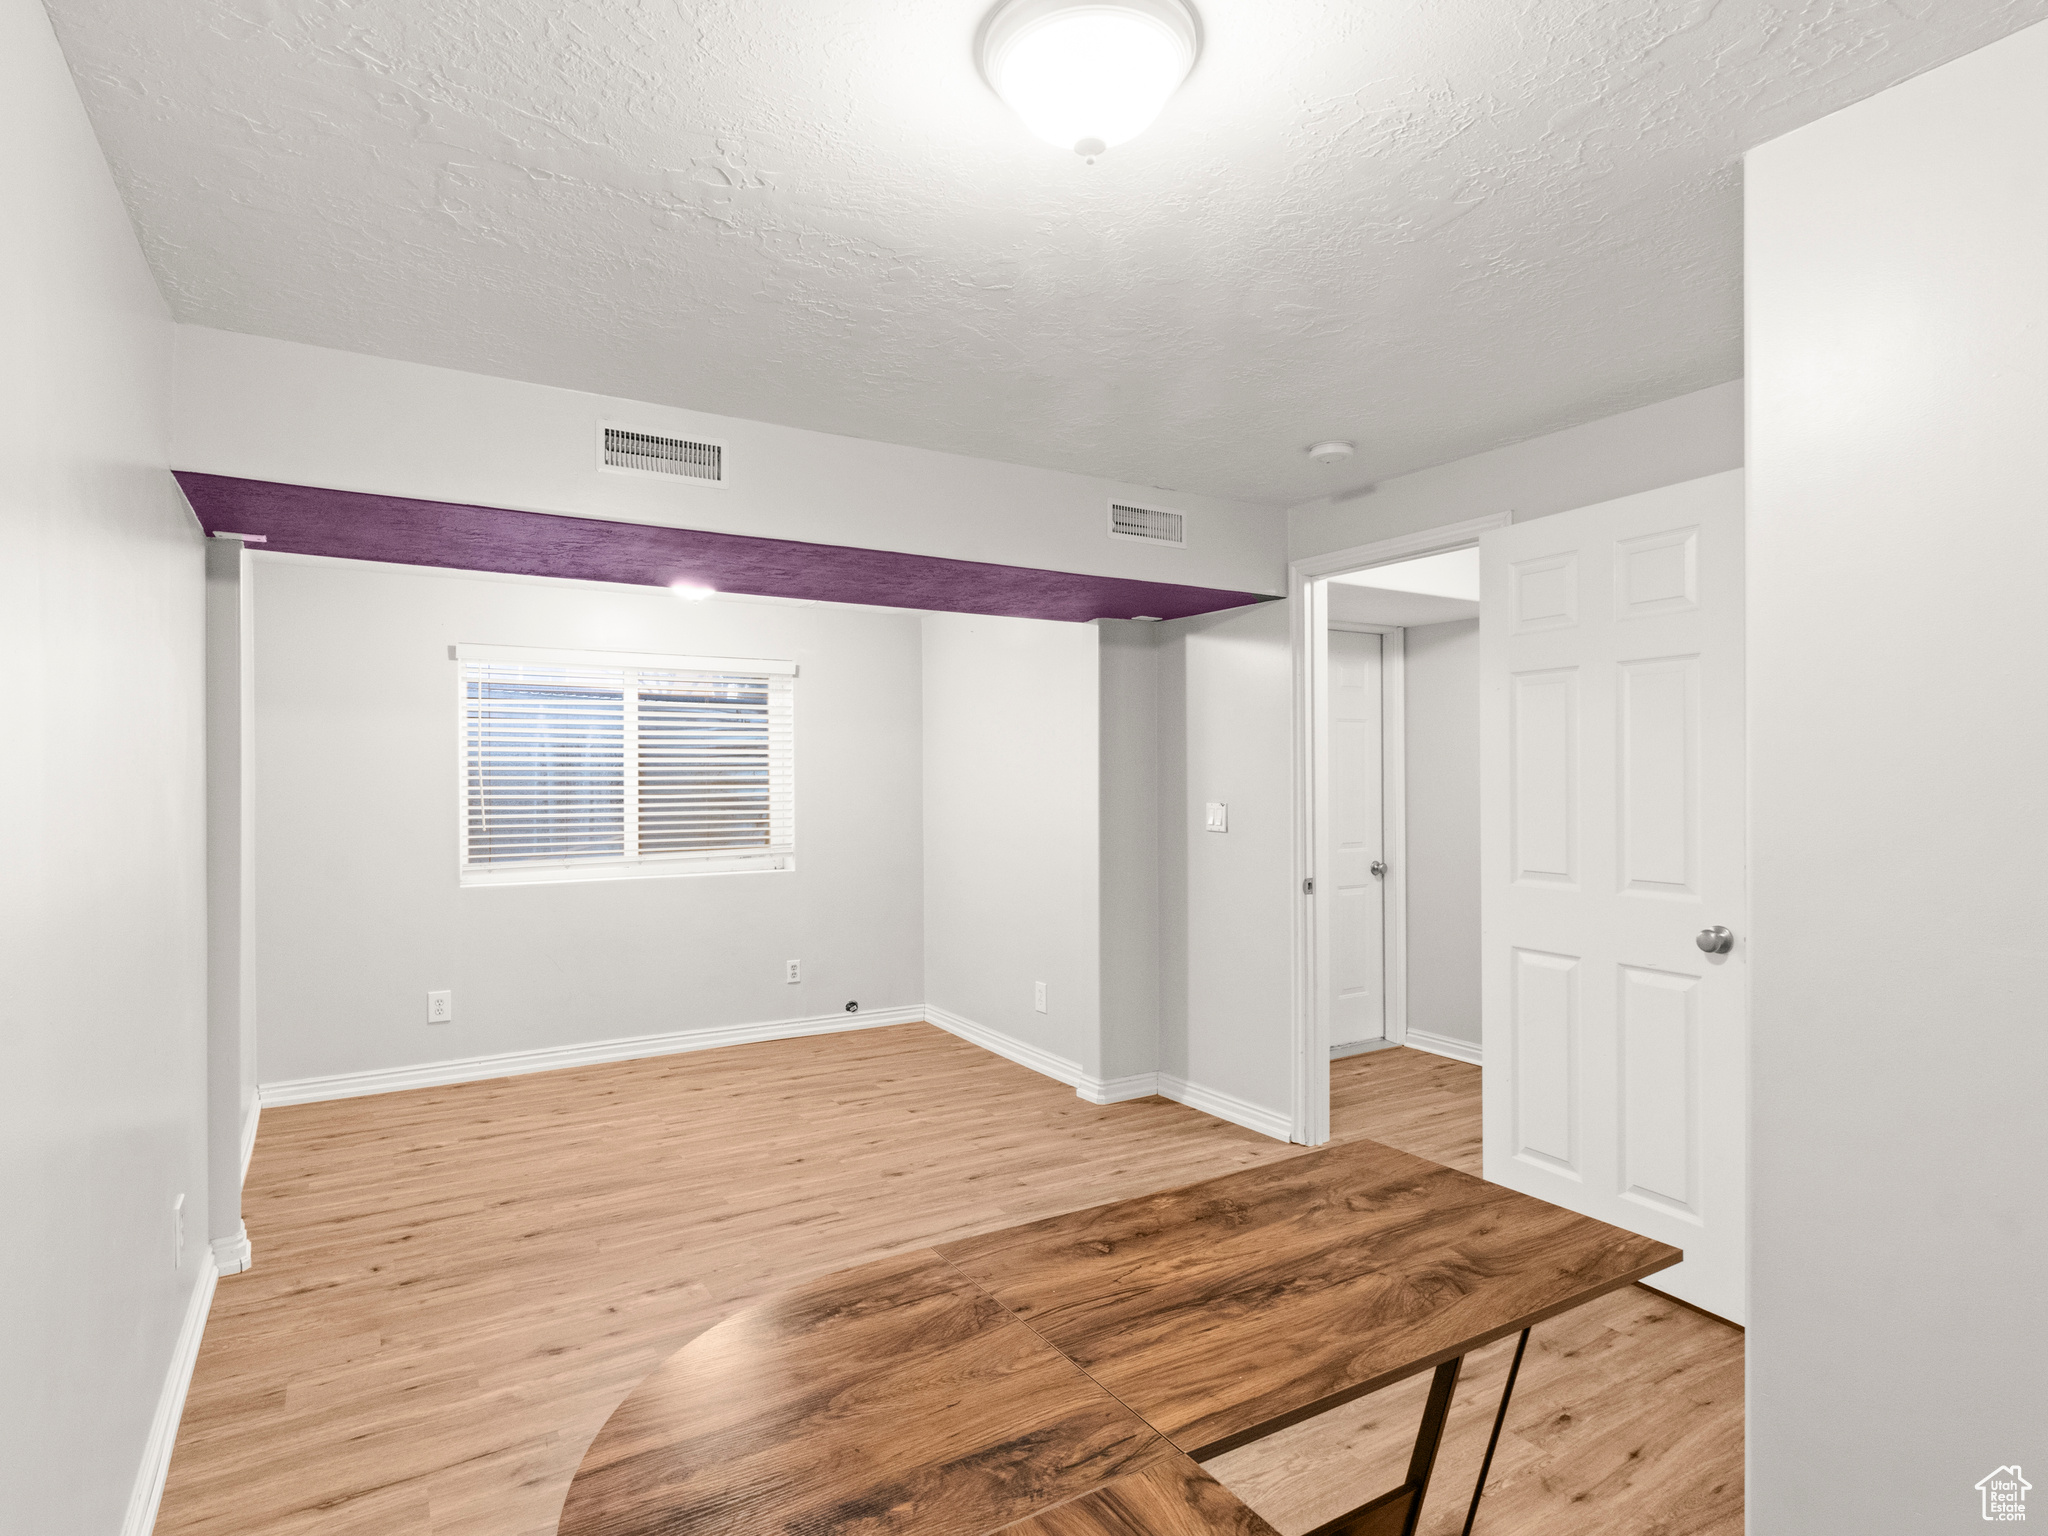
(1149, 524)
(672, 458)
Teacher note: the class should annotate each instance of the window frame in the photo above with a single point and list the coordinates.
(630, 866)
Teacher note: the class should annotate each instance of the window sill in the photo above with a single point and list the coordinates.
(627, 869)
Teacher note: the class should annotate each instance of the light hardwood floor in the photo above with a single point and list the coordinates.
(454, 1286)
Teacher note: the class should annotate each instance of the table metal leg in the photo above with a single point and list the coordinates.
(1397, 1512)
(1428, 1437)
(1499, 1418)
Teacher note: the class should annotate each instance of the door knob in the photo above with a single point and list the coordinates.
(1716, 940)
(1379, 869)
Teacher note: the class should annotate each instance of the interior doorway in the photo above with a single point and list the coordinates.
(1608, 870)
(1358, 610)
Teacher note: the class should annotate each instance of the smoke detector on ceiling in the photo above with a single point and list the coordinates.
(1330, 453)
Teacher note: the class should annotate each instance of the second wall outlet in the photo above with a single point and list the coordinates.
(792, 970)
(1038, 995)
(440, 1007)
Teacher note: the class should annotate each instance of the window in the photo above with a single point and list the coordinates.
(581, 765)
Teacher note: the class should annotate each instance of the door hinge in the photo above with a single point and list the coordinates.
(1308, 886)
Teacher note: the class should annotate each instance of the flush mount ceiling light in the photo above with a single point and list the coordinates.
(1086, 74)
(689, 592)
(1330, 453)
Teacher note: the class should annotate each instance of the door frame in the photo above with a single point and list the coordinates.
(1307, 601)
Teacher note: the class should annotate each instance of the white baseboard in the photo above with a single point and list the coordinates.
(249, 1135)
(1360, 1047)
(1118, 1090)
(1275, 1123)
(1009, 1047)
(472, 1069)
(232, 1255)
(148, 1491)
(1443, 1045)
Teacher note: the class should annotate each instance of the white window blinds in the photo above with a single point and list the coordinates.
(584, 764)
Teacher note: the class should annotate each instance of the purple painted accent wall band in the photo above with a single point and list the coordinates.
(353, 525)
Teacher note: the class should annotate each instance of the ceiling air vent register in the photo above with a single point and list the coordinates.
(1147, 523)
(672, 458)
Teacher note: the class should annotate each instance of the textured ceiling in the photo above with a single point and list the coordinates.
(1432, 226)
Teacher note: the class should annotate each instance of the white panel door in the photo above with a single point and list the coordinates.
(1612, 832)
(1357, 906)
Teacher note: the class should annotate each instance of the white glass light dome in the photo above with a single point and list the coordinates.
(1086, 74)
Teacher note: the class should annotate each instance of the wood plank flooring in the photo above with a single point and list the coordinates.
(455, 1286)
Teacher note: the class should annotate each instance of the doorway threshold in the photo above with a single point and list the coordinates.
(1359, 1048)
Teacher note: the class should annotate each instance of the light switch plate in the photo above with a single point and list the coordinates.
(1038, 995)
(1216, 817)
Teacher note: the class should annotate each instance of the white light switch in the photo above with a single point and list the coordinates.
(1038, 995)
(1216, 816)
(440, 1007)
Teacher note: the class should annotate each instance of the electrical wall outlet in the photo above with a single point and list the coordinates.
(1038, 995)
(792, 970)
(440, 1007)
(178, 1233)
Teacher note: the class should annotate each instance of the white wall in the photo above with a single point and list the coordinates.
(102, 840)
(1129, 776)
(1012, 857)
(231, 1083)
(1898, 353)
(1663, 444)
(1443, 829)
(1227, 899)
(278, 410)
(360, 914)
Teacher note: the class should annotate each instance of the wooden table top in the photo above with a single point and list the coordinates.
(1226, 1310)
(1056, 1379)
